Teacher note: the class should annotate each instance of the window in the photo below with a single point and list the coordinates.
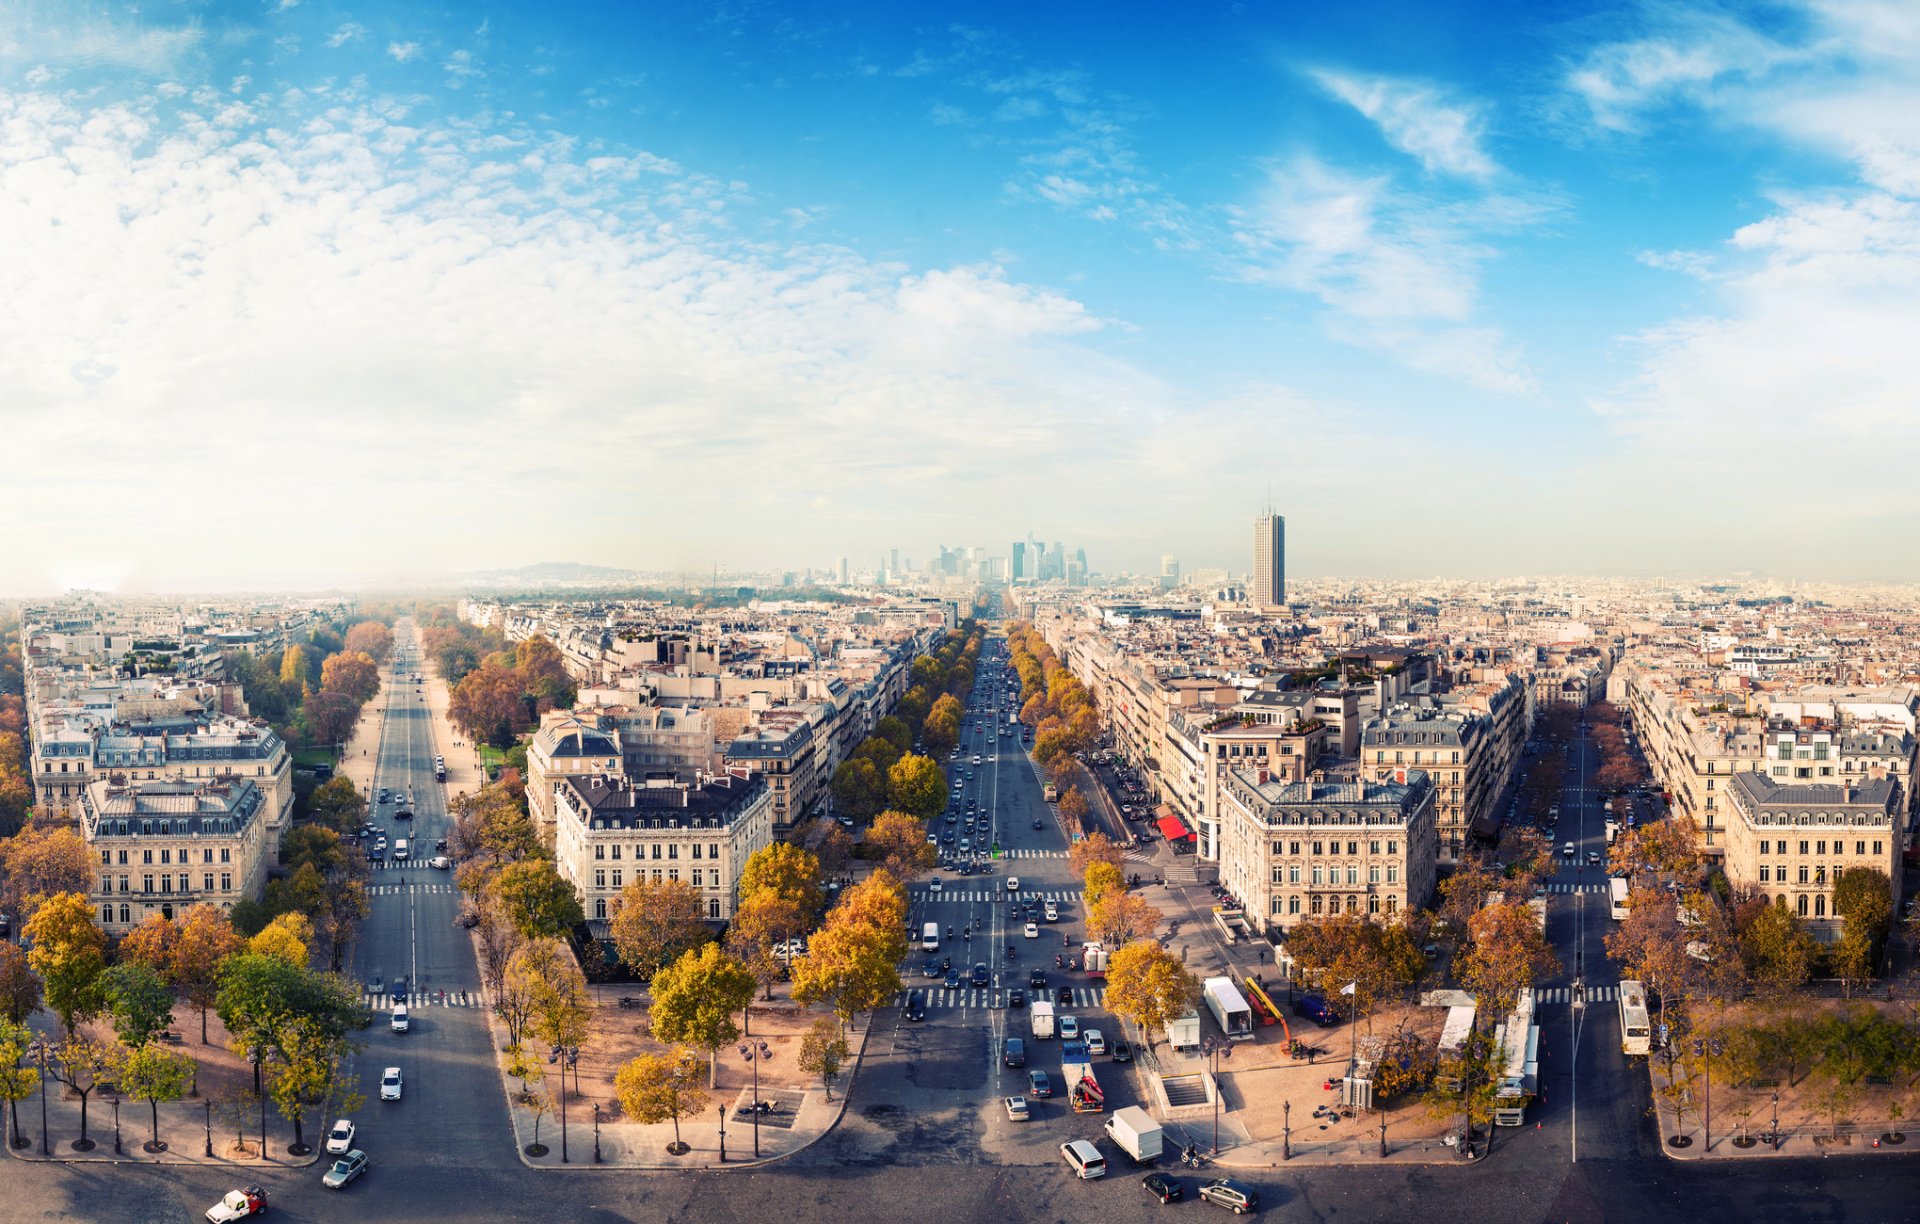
(1353, 874)
(599, 853)
(1803, 905)
(1316, 903)
(226, 855)
(226, 881)
(1876, 847)
(673, 850)
(616, 852)
(1318, 848)
(206, 856)
(123, 858)
(206, 881)
(1373, 847)
(106, 858)
(1393, 873)
(599, 907)
(1293, 848)
(1276, 906)
(1373, 874)
(106, 883)
(656, 875)
(1373, 905)
(146, 856)
(1393, 904)
(1278, 874)
(1803, 847)
(1393, 847)
(656, 853)
(616, 877)
(146, 883)
(1819, 905)
(599, 877)
(123, 884)
(1859, 847)
(1822, 849)
(713, 908)
(1803, 873)
(1353, 848)
(106, 913)
(1293, 874)
(1766, 874)
(713, 850)
(697, 873)
(1317, 878)
(1293, 905)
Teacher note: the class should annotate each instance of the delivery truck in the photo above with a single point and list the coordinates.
(1093, 958)
(1076, 1068)
(1229, 1008)
(1183, 1032)
(1136, 1132)
(1041, 1016)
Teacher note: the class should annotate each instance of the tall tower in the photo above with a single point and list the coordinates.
(1269, 560)
(1017, 563)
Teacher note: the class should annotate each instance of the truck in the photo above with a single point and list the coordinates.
(1518, 1041)
(1093, 958)
(1040, 1015)
(1076, 1068)
(1050, 793)
(1229, 1008)
(1183, 1032)
(1138, 1135)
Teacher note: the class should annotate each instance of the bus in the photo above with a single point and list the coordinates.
(1636, 1029)
(1617, 889)
(1519, 1043)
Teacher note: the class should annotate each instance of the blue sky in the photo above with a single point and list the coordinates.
(1478, 289)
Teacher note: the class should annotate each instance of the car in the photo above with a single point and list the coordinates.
(238, 1205)
(344, 1170)
(933, 839)
(1053, 912)
(1237, 1197)
(1064, 996)
(1013, 883)
(340, 1138)
(966, 845)
(1316, 1009)
(1096, 1041)
(946, 836)
(1037, 978)
(914, 1011)
(1017, 1110)
(440, 862)
(932, 968)
(1033, 930)
(953, 980)
(846, 822)
(1122, 1052)
(1015, 1053)
(1566, 850)
(390, 1084)
(1069, 1027)
(951, 817)
(1593, 858)
(1016, 998)
(1166, 1189)
(1038, 823)
(933, 884)
(1039, 1084)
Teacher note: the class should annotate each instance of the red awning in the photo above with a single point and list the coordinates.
(1171, 828)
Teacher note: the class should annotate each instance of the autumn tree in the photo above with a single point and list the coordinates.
(1073, 811)
(84, 1063)
(1102, 880)
(859, 789)
(203, 940)
(352, 674)
(656, 1088)
(18, 1078)
(561, 1011)
(822, 1052)
(785, 869)
(695, 998)
(36, 864)
(537, 900)
(1664, 846)
(1863, 897)
(1508, 953)
(286, 938)
(899, 843)
(154, 1073)
(1120, 917)
(1340, 950)
(150, 943)
(19, 984)
(1149, 986)
(370, 638)
(69, 953)
(654, 922)
(917, 786)
(311, 1071)
(1095, 848)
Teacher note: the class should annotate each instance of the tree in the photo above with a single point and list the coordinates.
(1103, 879)
(351, 674)
(917, 786)
(784, 869)
(17, 1081)
(835, 851)
(851, 966)
(1508, 953)
(823, 1051)
(1149, 986)
(656, 1087)
(1073, 811)
(654, 923)
(1119, 917)
(19, 984)
(497, 942)
(765, 918)
(561, 1011)
(83, 1063)
(69, 953)
(859, 789)
(311, 1072)
(285, 938)
(1863, 897)
(1094, 848)
(336, 804)
(41, 863)
(150, 943)
(370, 638)
(1664, 846)
(1339, 950)
(895, 732)
(694, 1000)
(899, 842)
(139, 1002)
(537, 900)
(154, 1073)
(261, 998)
(203, 940)
(330, 716)
(1778, 950)
(940, 733)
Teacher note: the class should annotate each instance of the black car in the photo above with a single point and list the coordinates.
(980, 975)
(914, 1011)
(933, 968)
(1120, 1050)
(1016, 997)
(1037, 979)
(1065, 995)
(1166, 1189)
(399, 990)
(953, 980)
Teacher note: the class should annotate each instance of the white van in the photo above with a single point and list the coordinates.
(399, 848)
(399, 1017)
(930, 937)
(1084, 1159)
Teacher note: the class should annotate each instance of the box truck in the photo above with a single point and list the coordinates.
(1041, 1016)
(1136, 1132)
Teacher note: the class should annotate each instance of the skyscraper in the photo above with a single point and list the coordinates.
(1016, 565)
(1269, 560)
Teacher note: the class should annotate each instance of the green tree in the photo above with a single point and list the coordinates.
(859, 789)
(695, 998)
(154, 1073)
(261, 998)
(654, 923)
(899, 843)
(1148, 985)
(537, 900)
(656, 1088)
(83, 1063)
(823, 1051)
(895, 732)
(69, 953)
(337, 805)
(18, 1080)
(917, 786)
(139, 1002)
(1863, 897)
(311, 1071)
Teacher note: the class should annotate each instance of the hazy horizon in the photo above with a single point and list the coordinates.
(305, 295)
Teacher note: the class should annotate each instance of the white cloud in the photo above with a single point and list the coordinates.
(946, 115)
(37, 32)
(403, 51)
(348, 32)
(1417, 119)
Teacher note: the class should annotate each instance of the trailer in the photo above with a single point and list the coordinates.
(1076, 1068)
(1093, 958)
(1040, 1015)
(1229, 1009)
(1183, 1032)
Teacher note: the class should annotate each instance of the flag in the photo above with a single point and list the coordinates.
(1348, 988)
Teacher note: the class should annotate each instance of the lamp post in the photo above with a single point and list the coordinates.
(1707, 1051)
(209, 1105)
(755, 1054)
(41, 1051)
(116, 1126)
(596, 1132)
(1216, 1048)
(1776, 1116)
(566, 1056)
(723, 1134)
(1286, 1131)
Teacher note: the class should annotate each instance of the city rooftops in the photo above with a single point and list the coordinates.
(168, 808)
(661, 801)
(1331, 801)
(1760, 795)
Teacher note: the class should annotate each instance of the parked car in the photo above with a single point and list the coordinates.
(340, 1138)
(1316, 1009)
(1237, 1197)
(1122, 1052)
(1161, 1186)
(344, 1170)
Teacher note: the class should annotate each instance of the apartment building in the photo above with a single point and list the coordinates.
(782, 752)
(1295, 850)
(161, 846)
(611, 832)
(1791, 840)
(564, 746)
(1455, 748)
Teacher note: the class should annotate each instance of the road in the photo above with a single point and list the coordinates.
(923, 1136)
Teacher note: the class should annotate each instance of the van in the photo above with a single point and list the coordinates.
(399, 1024)
(1084, 1159)
(399, 848)
(1566, 850)
(1016, 1053)
(1316, 1009)
(930, 937)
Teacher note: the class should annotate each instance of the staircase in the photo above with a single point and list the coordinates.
(1183, 1090)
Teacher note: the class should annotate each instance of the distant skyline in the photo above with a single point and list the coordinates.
(305, 294)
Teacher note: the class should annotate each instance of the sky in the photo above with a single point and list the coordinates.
(306, 294)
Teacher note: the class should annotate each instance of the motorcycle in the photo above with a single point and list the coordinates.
(1059, 962)
(949, 932)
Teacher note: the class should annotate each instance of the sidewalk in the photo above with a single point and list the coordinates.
(1737, 1138)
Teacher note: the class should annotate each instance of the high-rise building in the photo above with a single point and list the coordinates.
(1269, 560)
(1016, 565)
(840, 570)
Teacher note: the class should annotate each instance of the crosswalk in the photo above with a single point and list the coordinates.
(1564, 994)
(1034, 854)
(388, 890)
(379, 1000)
(975, 896)
(1576, 888)
(1087, 998)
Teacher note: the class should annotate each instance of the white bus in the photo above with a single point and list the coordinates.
(1636, 1029)
(1617, 887)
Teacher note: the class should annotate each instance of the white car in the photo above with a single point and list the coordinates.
(238, 1205)
(1017, 1109)
(340, 1138)
(1069, 1028)
(1013, 883)
(933, 885)
(390, 1084)
(1053, 912)
(1096, 1041)
(1033, 930)
(440, 861)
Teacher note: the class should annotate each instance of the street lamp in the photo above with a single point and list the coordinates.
(1286, 1131)
(116, 1126)
(209, 1105)
(40, 1049)
(566, 1056)
(723, 1134)
(1711, 1048)
(596, 1132)
(1776, 1114)
(1216, 1048)
(755, 1054)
